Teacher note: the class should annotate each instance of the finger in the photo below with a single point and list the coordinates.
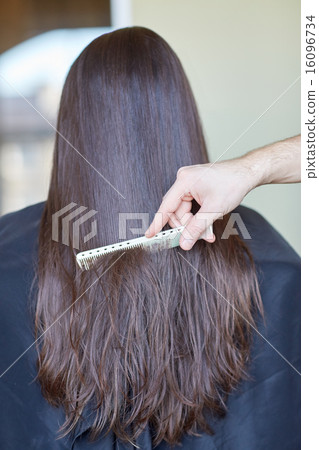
(196, 226)
(211, 239)
(183, 212)
(174, 221)
(186, 218)
(208, 235)
(180, 217)
(168, 206)
(183, 219)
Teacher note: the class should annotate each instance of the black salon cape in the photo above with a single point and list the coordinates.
(264, 412)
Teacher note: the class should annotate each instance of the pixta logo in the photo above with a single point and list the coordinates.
(67, 222)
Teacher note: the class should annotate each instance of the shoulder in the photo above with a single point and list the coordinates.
(273, 388)
(18, 234)
(25, 409)
(265, 243)
(278, 270)
(18, 256)
(27, 216)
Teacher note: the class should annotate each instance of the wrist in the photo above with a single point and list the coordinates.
(257, 169)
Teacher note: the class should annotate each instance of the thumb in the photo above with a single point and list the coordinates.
(197, 226)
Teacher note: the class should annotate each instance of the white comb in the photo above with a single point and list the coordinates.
(163, 240)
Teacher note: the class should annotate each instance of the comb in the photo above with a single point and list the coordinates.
(163, 240)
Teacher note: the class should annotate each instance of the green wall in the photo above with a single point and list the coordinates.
(240, 56)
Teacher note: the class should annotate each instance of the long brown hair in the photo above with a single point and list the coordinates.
(144, 337)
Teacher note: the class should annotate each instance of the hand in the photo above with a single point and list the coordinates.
(218, 188)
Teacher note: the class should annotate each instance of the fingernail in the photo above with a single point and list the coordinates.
(188, 244)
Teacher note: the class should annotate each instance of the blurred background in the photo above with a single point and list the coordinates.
(242, 59)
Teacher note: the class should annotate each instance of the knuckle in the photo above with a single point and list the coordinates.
(181, 171)
(195, 230)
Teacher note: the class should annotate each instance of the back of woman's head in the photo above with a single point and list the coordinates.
(128, 109)
(145, 337)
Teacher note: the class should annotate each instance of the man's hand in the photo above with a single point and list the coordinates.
(219, 187)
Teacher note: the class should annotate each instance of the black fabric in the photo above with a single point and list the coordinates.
(264, 412)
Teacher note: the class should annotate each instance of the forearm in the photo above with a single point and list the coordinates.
(275, 163)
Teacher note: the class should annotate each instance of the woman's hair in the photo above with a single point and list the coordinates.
(146, 337)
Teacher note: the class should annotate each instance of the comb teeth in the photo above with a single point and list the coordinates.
(163, 240)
